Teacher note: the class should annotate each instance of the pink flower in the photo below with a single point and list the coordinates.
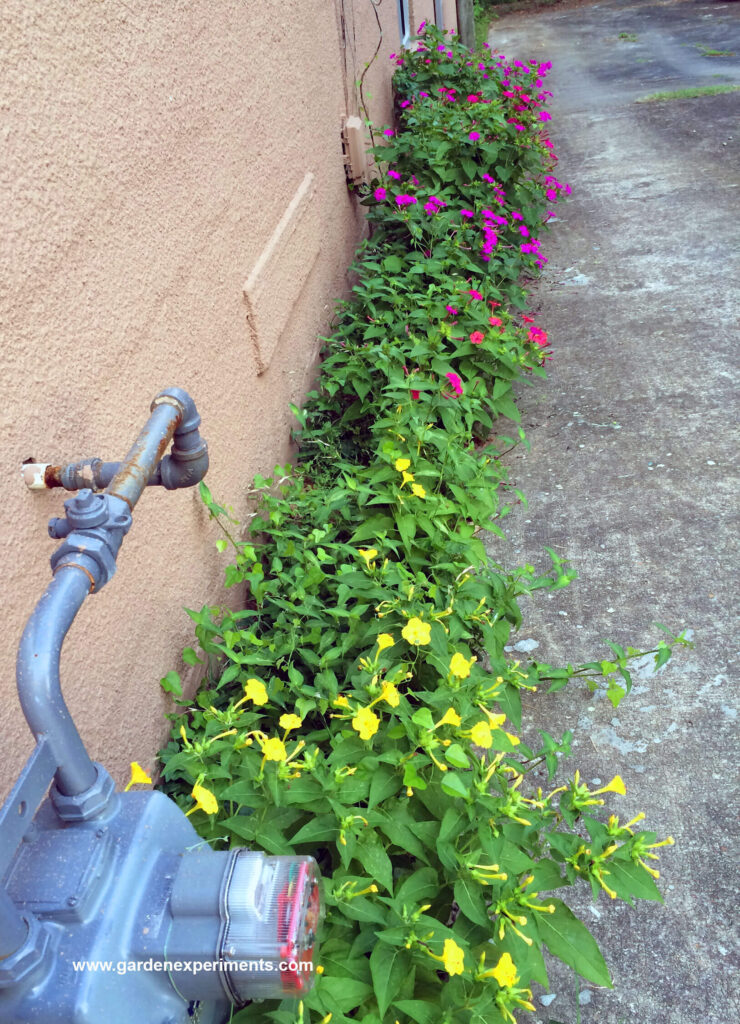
(488, 178)
(405, 103)
(423, 95)
(405, 200)
(527, 319)
(538, 336)
(476, 338)
(474, 136)
(523, 231)
(421, 28)
(466, 213)
(379, 194)
(552, 195)
(473, 98)
(389, 133)
(451, 310)
(474, 294)
(455, 382)
(395, 175)
(544, 116)
(494, 321)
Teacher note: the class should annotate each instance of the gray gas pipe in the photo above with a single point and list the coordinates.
(110, 906)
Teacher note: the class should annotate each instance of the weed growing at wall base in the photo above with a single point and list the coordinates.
(361, 706)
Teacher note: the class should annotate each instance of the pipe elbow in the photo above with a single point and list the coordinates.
(190, 416)
(184, 468)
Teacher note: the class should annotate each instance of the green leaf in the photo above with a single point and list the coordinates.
(392, 264)
(570, 941)
(171, 683)
(420, 887)
(385, 782)
(469, 898)
(457, 756)
(628, 880)
(419, 1010)
(371, 854)
(342, 994)
(190, 657)
(389, 967)
(453, 785)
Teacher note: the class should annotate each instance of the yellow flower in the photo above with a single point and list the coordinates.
(274, 750)
(450, 717)
(368, 554)
(255, 691)
(417, 632)
(453, 957)
(480, 734)
(290, 722)
(513, 740)
(460, 666)
(385, 640)
(137, 775)
(341, 701)
(505, 971)
(615, 786)
(365, 722)
(493, 720)
(418, 490)
(407, 478)
(204, 800)
(391, 695)
(402, 464)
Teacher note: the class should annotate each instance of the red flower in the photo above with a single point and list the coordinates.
(477, 337)
(415, 395)
(527, 319)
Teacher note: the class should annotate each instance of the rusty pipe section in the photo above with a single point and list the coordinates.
(146, 453)
(185, 466)
(76, 476)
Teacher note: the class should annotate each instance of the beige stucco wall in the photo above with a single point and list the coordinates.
(150, 151)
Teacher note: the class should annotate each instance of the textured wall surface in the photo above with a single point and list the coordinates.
(151, 154)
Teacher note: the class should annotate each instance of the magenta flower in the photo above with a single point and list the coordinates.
(474, 136)
(474, 294)
(395, 175)
(473, 98)
(405, 103)
(455, 382)
(379, 194)
(415, 395)
(421, 28)
(424, 95)
(488, 178)
(466, 213)
(389, 133)
(494, 321)
(538, 336)
(451, 310)
(544, 116)
(405, 200)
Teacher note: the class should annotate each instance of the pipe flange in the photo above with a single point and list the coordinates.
(14, 968)
(87, 805)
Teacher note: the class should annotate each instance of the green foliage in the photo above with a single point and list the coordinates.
(361, 707)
